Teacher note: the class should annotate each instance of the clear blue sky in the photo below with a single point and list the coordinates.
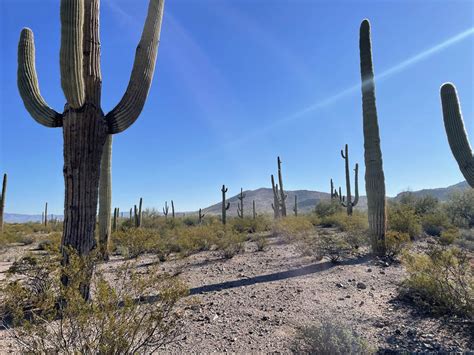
(239, 82)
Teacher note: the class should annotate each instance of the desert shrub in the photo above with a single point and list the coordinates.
(434, 223)
(460, 208)
(137, 241)
(23, 233)
(466, 239)
(250, 225)
(328, 338)
(355, 226)
(448, 236)
(395, 242)
(326, 208)
(426, 204)
(230, 243)
(119, 318)
(313, 218)
(331, 245)
(191, 240)
(51, 242)
(403, 219)
(261, 241)
(292, 227)
(440, 281)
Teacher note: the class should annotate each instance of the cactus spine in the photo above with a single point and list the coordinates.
(84, 125)
(254, 210)
(456, 132)
(374, 175)
(166, 210)
(295, 208)
(105, 199)
(349, 204)
(201, 216)
(240, 205)
(172, 209)
(2, 200)
(282, 192)
(225, 206)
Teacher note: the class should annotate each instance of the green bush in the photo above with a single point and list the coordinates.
(440, 281)
(460, 208)
(395, 242)
(292, 227)
(137, 241)
(403, 219)
(328, 338)
(250, 225)
(466, 239)
(261, 241)
(47, 317)
(230, 243)
(327, 208)
(434, 223)
(448, 236)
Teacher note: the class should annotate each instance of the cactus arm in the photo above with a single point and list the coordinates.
(356, 182)
(70, 54)
(91, 52)
(105, 198)
(228, 206)
(456, 132)
(28, 83)
(132, 102)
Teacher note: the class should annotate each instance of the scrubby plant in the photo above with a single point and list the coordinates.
(136, 241)
(449, 236)
(261, 241)
(402, 218)
(230, 243)
(329, 338)
(460, 208)
(440, 281)
(44, 316)
(435, 222)
(396, 242)
(332, 246)
(250, 225)
(466, 239)
(326, 208)
(292, 227)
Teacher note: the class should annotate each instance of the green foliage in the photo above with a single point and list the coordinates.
(328, 338)
(44, 316)
(434, 223)
(261, 241)
(460, 208)
(421, 205)
(26, 233)
(230, 243)
(466, 239)
(327, 207)
(137, 241)
(402, 218)
(355, 225)
(448, 236)
(250, 225)
(395, 242)
(334, 247)
(292, 227)
(440, 281)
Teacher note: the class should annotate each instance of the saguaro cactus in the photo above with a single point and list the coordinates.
(166, 210)
(84, 125)
(240, 205)
(225, 206)
(349, 204)
(172, 209)
(46, 214)
(374, 176)
(456, 132)
(276, 205)
(201, 216)
(2, 200)
(254, 209)
(114, 226)
(105, 199)
(139, 216)
(282, 192)
(295, 207)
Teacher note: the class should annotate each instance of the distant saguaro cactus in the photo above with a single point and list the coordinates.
(105, 199)
(276, 205)
(46, 214)
(349, 204)
(139, 224)
(225, 206)
(254, 209)
(84, 125)
(172, 209)
(282, 192)
(200, 216)
(374, 175)
(295, 208)
(166, 210)
(333, 192)
(114, 225)
(2, 200)
(456, 132)
(240, 205)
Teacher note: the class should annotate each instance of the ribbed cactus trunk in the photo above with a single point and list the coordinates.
(240, 206)
(85, 127)
(172, 209)
(46, 214)
(2, 200)
(456, 132)
(374, 175)
(282, 192)
(254, 210)
(105, 198)
(225, 206)
(295, 207)
(276, 199)
(345, 156)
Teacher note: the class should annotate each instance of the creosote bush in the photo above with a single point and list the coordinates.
(292, 227)
(460, 208)
(327, 207)
(329, 338)
(402, 218)
(435, 222)
(250, 225)
(44, 316)
(440, 281)
(395, 242)
(449, 236)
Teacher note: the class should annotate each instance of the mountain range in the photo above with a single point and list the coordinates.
(263, 198)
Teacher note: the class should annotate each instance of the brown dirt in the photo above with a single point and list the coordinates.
(254, 302)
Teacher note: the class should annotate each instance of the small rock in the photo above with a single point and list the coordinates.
(339, 285)
(361, 286)
(369, 270)
(265, 318)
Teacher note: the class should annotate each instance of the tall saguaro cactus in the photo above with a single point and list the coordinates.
(254, 210)
(2, 200)
(105, 199)
(348, 203)
(456, 132)
(240, 206)
(295, 208)
(166, 210)
(276, 205)
(172, 209)
(282, 192)
(225, 206)
(85, 127)
(374, 175)
(46, 214)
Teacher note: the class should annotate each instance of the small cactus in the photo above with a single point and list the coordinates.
(225, 206)
(456, 132)
(2, 200)
(254, 210)
(348, 203)
(172, 209)
(240, 205)
(166, 210)
(46, 214)
(295, 208)
(200, 216)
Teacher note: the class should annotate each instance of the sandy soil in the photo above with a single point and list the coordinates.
(254, 301)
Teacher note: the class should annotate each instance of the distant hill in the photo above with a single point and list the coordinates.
(263, 197)
(442, 194)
